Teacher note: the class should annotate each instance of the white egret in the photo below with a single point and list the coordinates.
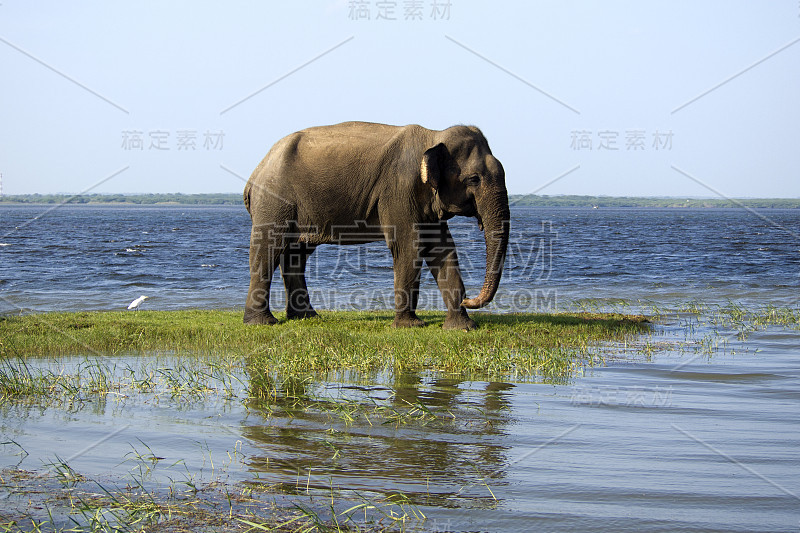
(137, 302)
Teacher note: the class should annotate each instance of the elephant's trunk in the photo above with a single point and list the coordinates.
(495, 217)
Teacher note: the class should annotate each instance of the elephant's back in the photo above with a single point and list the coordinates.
(337, 145)
(354, 130)
(346, 141)
(327, 169)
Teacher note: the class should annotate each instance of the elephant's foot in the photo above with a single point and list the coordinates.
(407, 320)
(258, 318)
(295, 314)
(459, 320)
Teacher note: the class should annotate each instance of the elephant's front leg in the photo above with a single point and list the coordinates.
(405, 254)
(439, 251)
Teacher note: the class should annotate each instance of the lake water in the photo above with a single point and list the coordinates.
(701, 435)
(79, 257)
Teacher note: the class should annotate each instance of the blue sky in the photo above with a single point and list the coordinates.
(575, 97)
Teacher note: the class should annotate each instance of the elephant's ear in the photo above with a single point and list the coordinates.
(434, 161)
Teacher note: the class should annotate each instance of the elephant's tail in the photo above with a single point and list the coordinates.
(247, 196)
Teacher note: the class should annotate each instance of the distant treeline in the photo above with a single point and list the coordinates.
(138, 199)
(530, 200)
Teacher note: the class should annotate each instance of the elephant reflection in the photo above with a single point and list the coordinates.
(429, 460)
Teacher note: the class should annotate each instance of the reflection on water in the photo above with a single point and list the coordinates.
(703, 437)
(432, 438)
(683, 441)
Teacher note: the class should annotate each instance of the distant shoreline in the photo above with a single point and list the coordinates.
(517, 200)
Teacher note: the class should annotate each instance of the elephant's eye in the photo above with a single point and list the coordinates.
(473, 181)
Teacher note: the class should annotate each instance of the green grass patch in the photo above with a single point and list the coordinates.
(62, 500)
(338, 340)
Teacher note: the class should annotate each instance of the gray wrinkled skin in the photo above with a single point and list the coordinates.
(359, 182)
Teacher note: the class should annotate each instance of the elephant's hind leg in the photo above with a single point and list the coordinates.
(293, 269)
(265, 253)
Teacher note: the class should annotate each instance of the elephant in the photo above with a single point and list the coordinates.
(360, 182)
